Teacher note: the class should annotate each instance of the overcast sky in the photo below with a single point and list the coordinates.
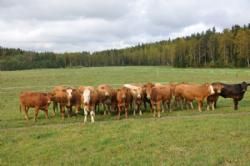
(92, 25)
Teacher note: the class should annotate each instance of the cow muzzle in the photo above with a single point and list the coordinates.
(106, 94)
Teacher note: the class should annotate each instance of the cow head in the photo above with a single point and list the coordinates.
(121, 96)
(69, 95)
(50, 97)
(86, 98)
(137, 92)
(148, 88)
(211, 89)
(243, 86)
(217, 87)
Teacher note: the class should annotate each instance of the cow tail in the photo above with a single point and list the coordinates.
(20, 108)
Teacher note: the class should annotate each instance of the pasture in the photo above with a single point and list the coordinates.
(220, 137)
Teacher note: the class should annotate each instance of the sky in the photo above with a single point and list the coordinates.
(95, 25)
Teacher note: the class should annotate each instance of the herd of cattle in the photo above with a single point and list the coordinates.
(130, 97)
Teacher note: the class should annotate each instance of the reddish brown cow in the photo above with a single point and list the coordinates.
(124, 101)
(107, 97)
(37, 100)
(196, 92)
(160, 95)
(66, 98)
(147, 88)
(89, 99)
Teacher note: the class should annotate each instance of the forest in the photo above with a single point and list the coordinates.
(229, 48)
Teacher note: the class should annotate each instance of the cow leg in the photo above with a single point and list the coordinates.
(85, 115)
(235, 104)
(78, 108)
(25, 111)
(169, 106)
(36, 113)
(55, 107)
(159, 110)
(126, 112)
(151, 106)
(191, 105)
(213, 104)
(163, 107)
(154, 109)
(139, 107)
(69, 111)
(208, 105)
(200, 106)
(135, 108)
(62, 110)
(119, 113)
(92, 114)
(104, 109)
(46, 113)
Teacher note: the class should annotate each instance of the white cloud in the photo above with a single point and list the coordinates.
(76, 25)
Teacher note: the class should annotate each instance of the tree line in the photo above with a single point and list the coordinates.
(230, 48)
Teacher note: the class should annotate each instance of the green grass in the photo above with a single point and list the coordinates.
(186, 137)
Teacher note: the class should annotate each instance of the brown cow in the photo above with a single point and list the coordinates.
(37, 100)
(212, 99)
(196, 92)
(66, 98)
(107, 97)
(161, 95)
(124, 100)
(147, 88)
(89, 99)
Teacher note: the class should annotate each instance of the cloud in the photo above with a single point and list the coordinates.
(76, 25)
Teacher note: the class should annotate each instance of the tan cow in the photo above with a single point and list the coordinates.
(179, 100)
(124, 100)
(137, 93)
(212, 99)
(161, 95)
(89, 99)
(107, 97)
(198, 92)
(37, 100)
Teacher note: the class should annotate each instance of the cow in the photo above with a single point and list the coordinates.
(89, 100)
(37, 100)
(124, 100)
(196, 92)
(179, 100)
(107, 97)
(212, 99)
(66, 97)
(160, 95)
(234, 91)
(137, 94)
(147, 88)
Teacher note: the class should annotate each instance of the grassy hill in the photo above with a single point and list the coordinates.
(186, 137)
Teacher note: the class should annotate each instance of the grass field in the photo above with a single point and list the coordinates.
(220, 137)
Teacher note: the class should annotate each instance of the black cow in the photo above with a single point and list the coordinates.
(234, 91)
